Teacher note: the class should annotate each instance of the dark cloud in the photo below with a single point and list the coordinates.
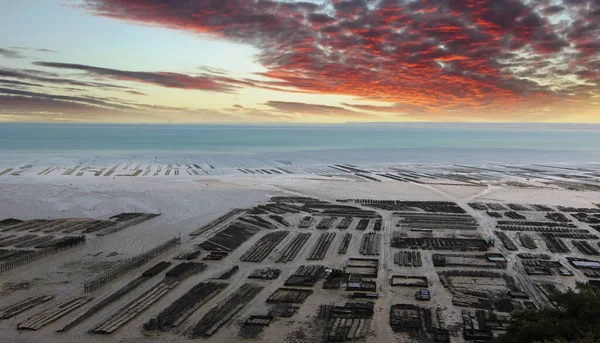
(551, 10)
(27, 104)
(394, 108)
(33, 49)
(214, 82)
(14, 52)
(312, 109)
(48, 109)
(87, 100)
(135, 92)
(8, 53)
(164, 79)
(212, 70)
(19, 83)
(32, 106)
(320, 18)
(51, 78)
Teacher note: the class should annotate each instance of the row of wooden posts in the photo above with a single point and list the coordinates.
(127, 265)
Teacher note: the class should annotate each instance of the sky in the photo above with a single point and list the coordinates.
(310, 61)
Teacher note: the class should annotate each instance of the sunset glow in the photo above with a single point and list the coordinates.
(243, 61)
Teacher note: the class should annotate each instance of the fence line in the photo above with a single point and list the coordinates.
(36, 255)
(96, 282)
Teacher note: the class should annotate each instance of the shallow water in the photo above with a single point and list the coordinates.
(414, 142)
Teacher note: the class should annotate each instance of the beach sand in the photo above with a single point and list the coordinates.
(187, 203)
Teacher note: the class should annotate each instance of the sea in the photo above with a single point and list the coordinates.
(340, 143)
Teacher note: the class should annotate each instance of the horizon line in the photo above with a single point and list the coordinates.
(300, 124)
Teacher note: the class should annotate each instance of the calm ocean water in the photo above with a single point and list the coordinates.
(283, 140)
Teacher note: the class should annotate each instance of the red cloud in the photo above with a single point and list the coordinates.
(206, 82)
(443, 53)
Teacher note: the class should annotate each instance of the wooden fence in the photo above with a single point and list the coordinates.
(36, 255)
(127, 265)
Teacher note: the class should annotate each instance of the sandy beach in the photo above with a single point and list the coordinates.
(189, 202)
